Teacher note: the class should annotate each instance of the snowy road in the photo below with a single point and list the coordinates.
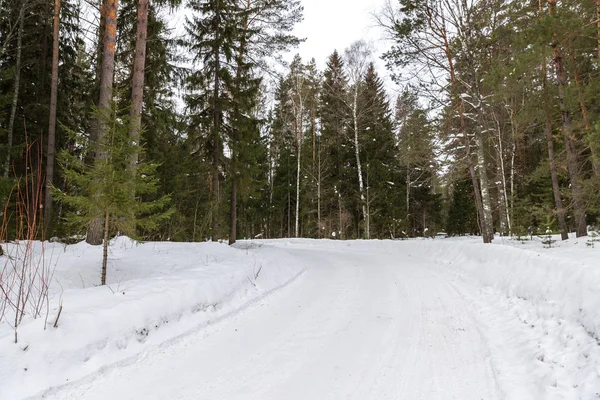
(355, 325)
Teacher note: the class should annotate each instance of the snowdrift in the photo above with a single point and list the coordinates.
(538, 309)
(156, 292)
(570, 288)
(565, 279)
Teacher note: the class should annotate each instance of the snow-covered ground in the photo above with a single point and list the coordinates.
(308, 319)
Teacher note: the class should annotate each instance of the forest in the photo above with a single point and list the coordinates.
(114, 121)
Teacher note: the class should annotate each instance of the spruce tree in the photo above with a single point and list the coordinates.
(212, 31)
(417, 160)
(102, 191)
(378, 152)
(335, 147)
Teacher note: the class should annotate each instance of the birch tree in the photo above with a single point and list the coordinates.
(299, 94)
(357, 58)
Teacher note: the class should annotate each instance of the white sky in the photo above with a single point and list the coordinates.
(334, 24)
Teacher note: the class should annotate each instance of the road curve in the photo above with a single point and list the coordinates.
(356, 325)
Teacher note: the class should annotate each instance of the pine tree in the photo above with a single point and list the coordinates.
(100, 129)
(162, 125)
(139, 63)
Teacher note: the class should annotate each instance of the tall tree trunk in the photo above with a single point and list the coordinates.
(94, 125)
(313, 124)
(560, 210)
(487, 223)
(513, 130)
(50, 154)
(368, 203)
(104, 248)
(340, 234)
(16, 87)
(299, 155)
(297, 225)
(478, 202)
(235, 139)
(572, 162)
(455, 90)
(319, 228)
(109, 40)
(512, 178)
(408, 183)
(595, 159)
(570, 145)
(598, 25)
(137, 92)
(234, 183)
(558, 203)
(100, 47)
(502, 189)
(233, 213)
(289, 210)
(502, 211)
(361, 186)
(216, 131)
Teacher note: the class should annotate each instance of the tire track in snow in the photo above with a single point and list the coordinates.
(358, 325)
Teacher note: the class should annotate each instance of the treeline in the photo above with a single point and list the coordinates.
(343, 162)
(134, 128)
(515, 89)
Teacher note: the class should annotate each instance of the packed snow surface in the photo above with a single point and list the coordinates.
(308, 319)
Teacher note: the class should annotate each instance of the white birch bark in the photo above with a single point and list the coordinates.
(357, 59)
(299, 153)
(361, 185)
(299, 107)
(319, 192)
(503, 197)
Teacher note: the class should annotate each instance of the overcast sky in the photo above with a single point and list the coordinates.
(334, 24)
